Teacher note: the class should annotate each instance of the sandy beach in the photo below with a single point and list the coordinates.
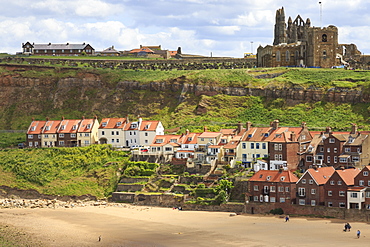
(128, 225)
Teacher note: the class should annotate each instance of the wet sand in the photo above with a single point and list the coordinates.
(131, 226)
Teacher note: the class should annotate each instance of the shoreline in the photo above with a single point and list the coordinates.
(131, 225)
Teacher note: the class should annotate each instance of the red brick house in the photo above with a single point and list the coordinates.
(338, 184)
(310, 187)
(274, 186)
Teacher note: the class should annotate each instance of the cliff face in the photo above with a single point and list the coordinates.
(23, 98)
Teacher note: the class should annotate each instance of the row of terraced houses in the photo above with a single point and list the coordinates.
(331, 160)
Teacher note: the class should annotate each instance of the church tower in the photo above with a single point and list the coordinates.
(280, 27)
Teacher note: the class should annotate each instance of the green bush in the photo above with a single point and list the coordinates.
(277, 211)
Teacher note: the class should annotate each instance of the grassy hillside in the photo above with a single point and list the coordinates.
(90, 170)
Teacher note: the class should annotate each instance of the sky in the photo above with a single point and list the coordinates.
(218, 28)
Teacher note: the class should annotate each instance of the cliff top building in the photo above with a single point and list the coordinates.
(298, 44)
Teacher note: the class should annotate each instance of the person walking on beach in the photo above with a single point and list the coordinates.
(287, 218)
(99, 239)
(358, 233)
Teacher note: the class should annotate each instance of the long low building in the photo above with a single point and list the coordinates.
(50, 49)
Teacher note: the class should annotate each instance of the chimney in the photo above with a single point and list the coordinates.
(49, 44)
(328, 130)
(179, 50)
(67, 43)
(33, 119)
(205, 129)
(303, 125)
(127, 119)
(83, 117)
(353, 129)
(63, 118)
(187, 132)
(47, 119)
(292, 136)
(95, 117)
(315, 167)
(240, 127)
(275, 124)
(248, 125)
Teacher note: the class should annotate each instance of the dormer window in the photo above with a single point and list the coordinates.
(268, 178)
(33, 128)
(282, 178)
(159, 141)
(266, 134)
(190, 139)
(119, 124)
(173, 140)
(47, 128)
(74, 127)
(62, 127)
(133, 125)
(351, 139)
(88, 126)
(146, 126)
(104, 124)
(250, 136)
(261, 176)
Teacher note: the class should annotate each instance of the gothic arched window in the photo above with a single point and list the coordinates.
(324, 38)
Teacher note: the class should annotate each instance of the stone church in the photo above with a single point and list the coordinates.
(298, 44)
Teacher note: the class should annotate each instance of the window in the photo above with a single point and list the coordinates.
(353, 195)
(332, 182)
(330, 204)
(268, 178)
(339, 182)
(61, 143)
(281, 189)
(282, 178)
(366, 173)
(347, 150)
(112, 140)
(30, 136)
(287, 56)
(272, 199)
(310, 181)
(244, 145)
(88, 126)
(313, 191)
(335, 150)
(328, 159)
(309, 158)
(112, 133)
(263, 145)
(355, 158)
(87, 142)
(328, 150)
(301, 191)
(342, 205)
(302, 202)
(117, 133)
(303, 181)
(257, 146)
(252, 145)
(324, 38)
(280, 147)
(61, 135)
(331, 140)
(361, 183)
(30, 144)
(73, 135)
(255, 198)
(87, 134)
(255, 188)
(146, 133)
(46, 136)
(330, 193)
(272, 188)
(286, 189)
(39, 136)
(102, 133)
(282, 199)
(278, 56)
(276, 147)
(335, 159)
(313, 203)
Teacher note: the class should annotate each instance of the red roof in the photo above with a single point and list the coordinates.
(112, 123)
(274, 176)
(348, 175)
(321, 175)
(36, 127)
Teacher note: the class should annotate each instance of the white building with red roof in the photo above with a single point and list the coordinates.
(142, 133)
(111, 131)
